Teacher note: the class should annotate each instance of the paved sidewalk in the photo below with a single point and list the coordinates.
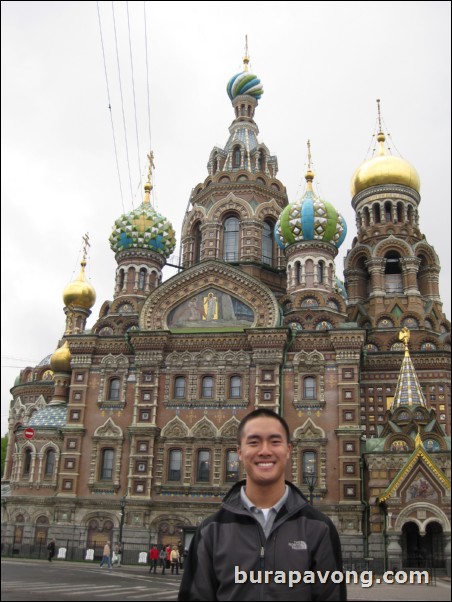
(406, 592)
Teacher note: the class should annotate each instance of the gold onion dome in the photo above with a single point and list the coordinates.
(60, 361)
(384, 169)
(79, 293)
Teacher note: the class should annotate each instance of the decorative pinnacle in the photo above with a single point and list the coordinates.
(309, 174)
(148, 185)
(86, 244)
(404, 336)
(246, 58)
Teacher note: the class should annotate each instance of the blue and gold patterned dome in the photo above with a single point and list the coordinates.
(245, 83)
(144, 228)
(310, 218)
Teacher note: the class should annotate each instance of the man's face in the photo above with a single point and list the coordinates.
(264, 450)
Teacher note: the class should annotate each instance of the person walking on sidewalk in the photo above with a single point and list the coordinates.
(106, 555)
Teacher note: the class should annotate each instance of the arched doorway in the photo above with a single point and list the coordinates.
(432, 544)
(41, 530)
(425, 551)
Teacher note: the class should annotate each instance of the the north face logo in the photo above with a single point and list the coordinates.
(298, 545)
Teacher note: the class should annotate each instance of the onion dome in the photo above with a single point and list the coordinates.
(310, 218)
(245, 83)
(144, 228)
(384, 169)
(80, 293)
(61, 359)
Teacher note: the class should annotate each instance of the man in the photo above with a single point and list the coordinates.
(106, 555)
(51, 548)
(266, 542)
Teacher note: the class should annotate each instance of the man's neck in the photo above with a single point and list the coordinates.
(265, 496)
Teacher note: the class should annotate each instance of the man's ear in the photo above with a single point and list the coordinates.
(239, 452)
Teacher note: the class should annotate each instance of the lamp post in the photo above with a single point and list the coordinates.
(123, 513)
(310, 478)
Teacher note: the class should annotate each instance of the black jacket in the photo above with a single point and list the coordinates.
(302, 539)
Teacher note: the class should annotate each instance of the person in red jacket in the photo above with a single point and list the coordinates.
(154, 558)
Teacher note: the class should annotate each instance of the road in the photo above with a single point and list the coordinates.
(34, 580)
(37, 580)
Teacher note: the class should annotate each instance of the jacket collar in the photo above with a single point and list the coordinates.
(232, 500)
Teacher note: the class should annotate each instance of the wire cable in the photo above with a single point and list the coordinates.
(110, 109)
(134, 104)
(122, 102)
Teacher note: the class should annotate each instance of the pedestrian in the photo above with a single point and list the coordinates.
(162, 557)
(154, 558)
(117, 556)
(265, 538)
(180, 549)
(174, 559)
(51, 549)
(106, 555)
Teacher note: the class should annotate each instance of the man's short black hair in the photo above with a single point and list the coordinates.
(262, 413)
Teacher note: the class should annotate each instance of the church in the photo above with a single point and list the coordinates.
(128, 430)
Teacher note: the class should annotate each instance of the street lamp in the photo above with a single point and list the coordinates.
(123, 513)
(310, 478)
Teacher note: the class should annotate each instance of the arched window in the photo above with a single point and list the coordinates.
(236, 387)
(377, 217)
(388, 212)
(261, 163)
(232, 466)
(50, 463)
(121, 279)
(236, 157)
(113, 390)
(207, 387)
(106, 469)
(321, 271)
(309, 464)
(203, 471)
(141, 279)
(197, 238)
(267, 244)
(309, 388)
(27, 462)
(297, 272)
(231, 239)
(180, 387)
(366, 216)
(400, 212)
(393, 273)
(175, 463)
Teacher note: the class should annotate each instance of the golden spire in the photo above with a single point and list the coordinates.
(309, 174)
(380, 137)
(86, 244)
(246, 58)
(418, 439)
(148, 185)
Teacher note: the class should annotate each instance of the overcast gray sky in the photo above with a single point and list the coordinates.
(322, 65)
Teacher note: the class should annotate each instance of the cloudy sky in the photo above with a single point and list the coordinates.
(322, 64)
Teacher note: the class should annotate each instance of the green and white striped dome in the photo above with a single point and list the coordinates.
(310, 218)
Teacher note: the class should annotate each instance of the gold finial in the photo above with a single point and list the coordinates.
(418, 439)
(309, 174)
(246, 58)
(86, 244)
(404, 336)
(380, 136)
(148, 185)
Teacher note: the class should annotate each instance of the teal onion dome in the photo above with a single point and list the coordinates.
(310, 218)
(244, 83)
(143, 228)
